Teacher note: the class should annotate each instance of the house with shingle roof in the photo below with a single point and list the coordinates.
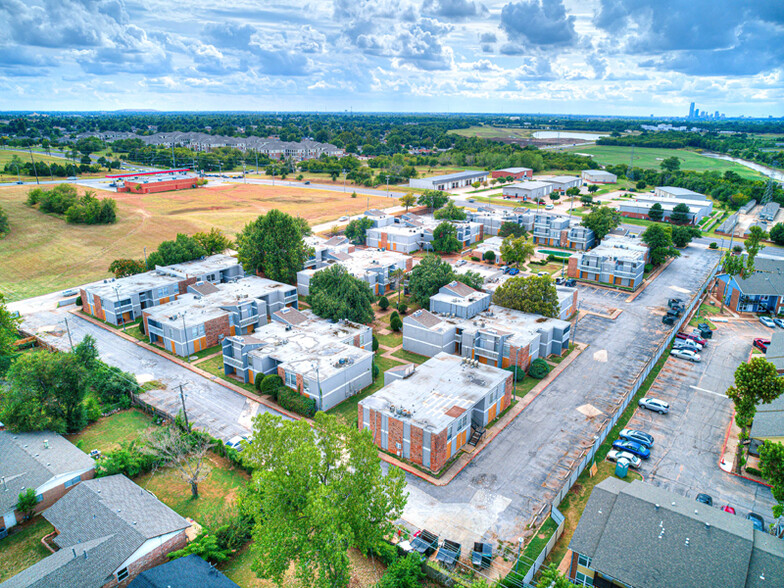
(183, 572)
(108, 531)
(761, 291)
(640, 535)
(42, 460)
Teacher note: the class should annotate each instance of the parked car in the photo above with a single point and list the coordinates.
(686, 354)
(675, 311)
(728, 508)
(615, 455)
(449, 553)
(705, 499)
(756, 520)
(513, 271)
(237, 442)
(549, 207)
(686, 344)
(307, 182)
(632, 447)
(655, 405)
(470, 199)
(779, 322)
(703, 331)
(343, 218)
(674, 302)
(767, 321)
(695, 338)
(761, 344)
(570, 283)
(69, 292)
(424, 542)
(669, 319)
(541, 274)
(639, 436)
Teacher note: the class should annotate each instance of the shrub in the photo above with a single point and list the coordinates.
(539, 368)
(489, 256)
(648, 267)
(353, 194)
(235, 533)
(383, 303)
(475, 258)
(517, 372)
(402, 308)
(375, 343)
(128, 460)
(753, 471)
(395, 323)
(78, 301)
(141, 326)
(296, 402)
(270, 385)
(27, 503)
(92, 409)
(737, 248)
(551, 257)
(205, 546)
(713, 245)
(385, 552)
(405, 572)
(376, 371)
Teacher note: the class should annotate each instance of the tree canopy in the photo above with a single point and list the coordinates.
(445, 238)
(682, 235)
(670, 164)
(433, 199)
(450, 212)
(535, 294)
(335, 294)
(317, 491)
(511, 228)
(602, 220)
(273, 245)
(183, 248)
(213, 242)
(659, 239)
(408, 200)
(777, 233)
(426, 278)
(8, 332)
(356, 230)
(516, 251)
(680, 214)
(772, 468)
(656, 212)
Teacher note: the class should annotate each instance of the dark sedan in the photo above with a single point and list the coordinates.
(632, 447)
(637, 436)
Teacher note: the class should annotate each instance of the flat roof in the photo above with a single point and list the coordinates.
(599, 172)
(532, 185)
(563, 179)
(455, 176)
(677, 190)
(437, 392)
(666, 203)
(515, 170)
(362, 261)
(620, 247)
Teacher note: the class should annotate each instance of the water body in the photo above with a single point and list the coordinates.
(763, 169)
(567, 135)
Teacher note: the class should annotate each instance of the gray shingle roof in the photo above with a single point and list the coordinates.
(184, 572)
(655, 538)
(766, 567)
(769, 420)
(767, 279)
(27, 463)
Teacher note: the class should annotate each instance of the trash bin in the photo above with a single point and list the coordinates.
(622, 468)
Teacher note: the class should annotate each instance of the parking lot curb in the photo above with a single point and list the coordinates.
(722, 463)
(188, 366)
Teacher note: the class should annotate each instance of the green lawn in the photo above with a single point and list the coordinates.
(391, 340)
(22, 548)
(535, 546)
(214, 365)
(523, 387)
(347, 410)
(106, 433)
(409, 357)
(646, 157)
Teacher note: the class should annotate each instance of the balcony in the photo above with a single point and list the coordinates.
(249, 320)
(235, 363)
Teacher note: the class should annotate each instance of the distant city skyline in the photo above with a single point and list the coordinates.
(593, 57)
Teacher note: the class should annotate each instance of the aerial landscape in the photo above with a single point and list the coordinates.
(440, 293)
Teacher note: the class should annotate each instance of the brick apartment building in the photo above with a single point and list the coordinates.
(560, 231)
(413, 232)
(369, 265)
(617, 261)
(761, 291)
(425, 414)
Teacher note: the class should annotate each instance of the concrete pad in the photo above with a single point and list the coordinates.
(600, 355)
(589, 410)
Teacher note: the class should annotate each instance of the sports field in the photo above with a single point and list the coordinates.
(652, 158)
(43, 253)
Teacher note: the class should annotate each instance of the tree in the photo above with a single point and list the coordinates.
(404, 572)
(383, 303)
(335, 294)
(753, 246)
(516, 251)
(777, 233)
(555, 196)
(450, 212)
(27, 502)
(680, 214)
(771, 465)
(756, 382)
(214, 241)
(471, 279)
(395, 322)
(182, 249)
(317, 491)
(656, 212)
(397, 275)
(445, 238)
(184, 451)
(552, 578)
(682, 235)
(586, 199)
(273, 244)
(126, 267)
(489, 255)
(428, 277)
(8, 332)
(511, 228)
(4, 226)
(659, 239)
(408, 200)
(356, 230)
(433, 199)
(573, 191)
(640, 185)
(206, 546)
(671, 164)
(535, 295)
(602, 220)
(593, 188)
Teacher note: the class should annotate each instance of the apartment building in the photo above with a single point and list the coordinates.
(122, 300)
(560, 231)
(413, 232)
(370, 265)
(379, 217)
(492, 220)
(207, 313)
(530, 190)
(458, 300)
(324, 250)
(617, 261)
(760, 291)
(325, 361)
(425, 414)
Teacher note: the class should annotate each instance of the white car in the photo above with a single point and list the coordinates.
(615, 455)
(549, 207)
(655, 405)
(237, 442)
(768, 322)
(343, 218)
(686, 354)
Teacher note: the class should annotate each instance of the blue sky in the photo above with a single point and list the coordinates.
(635, 57)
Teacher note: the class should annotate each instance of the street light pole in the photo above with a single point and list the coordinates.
(387, 185)
(33, 162)
(344, 180)
(184, 411)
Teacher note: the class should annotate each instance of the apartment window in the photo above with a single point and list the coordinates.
(161, 292)
(122, 574)
(39, 498)
(462, 423)
(582, 580)
(507, 350)
(449, 434)
(72, 482)
(291, 379)
(584, 560)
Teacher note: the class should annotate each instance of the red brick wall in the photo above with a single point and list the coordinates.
(215, 327)
(573, 565)
(416, 445)
(356, 340)
(573, 307)
(564, 241)
(281, 373)
(183, 286)
(520, 356)
(395, 435)
(506, 400)
(351, 248)
(155, 558)
(409, 264)
(571, 267)
(300, 384)
(167, 186)
(438, 451)
(53, 495)
(146, 326)
(383, 242)
(481, 232)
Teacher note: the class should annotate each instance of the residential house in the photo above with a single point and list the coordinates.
(518, 173)
(43, 461)
(374, 267)
(449, 181)
(761, 291)
(325, 361)
(190, 571)
(122, 300)
(639, 534)
(530, 190)
(425, 414)
(108, 531)
(555, 230)
(598, 176)
(202, 317)
(617, 261)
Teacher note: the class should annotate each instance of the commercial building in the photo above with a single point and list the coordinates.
(462, 321)
(560, 231)
(426, 413)
(617, 261)
(449, 181)
(43, 461)
(563, 183)
(108, 531)
(324, 250)
(371, 265)
(152, 182)
(598, 176)
(206, 313)
(413, 232)
(492, 219)
(518, 173)
(528, 190)
(762, 291)
(769, 211)
(641, 205)
(641, 535)
(325, 361)
(678, 193)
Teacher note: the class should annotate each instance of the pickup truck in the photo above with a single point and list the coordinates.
(424, 542)
(449, 553)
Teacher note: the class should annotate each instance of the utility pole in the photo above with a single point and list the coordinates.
(174, 161)
(145, 257)
(184, 411)
(387, 184)
(18, 176)
(257, 161)
(117, 294)
(344, 180)
(67, 328)
(244, 181)
(33, 162)
(631, 164)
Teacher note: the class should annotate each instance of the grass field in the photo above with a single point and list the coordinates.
(22, 548)
(6, 156)
(652, 158)
(108, 432)
(504, 132)
(43, 253)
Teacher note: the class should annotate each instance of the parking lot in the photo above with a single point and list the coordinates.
(689, 439)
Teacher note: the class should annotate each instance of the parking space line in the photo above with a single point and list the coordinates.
(709, 391)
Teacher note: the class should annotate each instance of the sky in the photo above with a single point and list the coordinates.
(616, 57)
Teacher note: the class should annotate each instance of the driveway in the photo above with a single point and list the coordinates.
(689, 440)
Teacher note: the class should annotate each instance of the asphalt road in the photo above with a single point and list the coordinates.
(689, 440)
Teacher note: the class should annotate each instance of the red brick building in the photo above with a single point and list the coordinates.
(158, 181)
(518, 173)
